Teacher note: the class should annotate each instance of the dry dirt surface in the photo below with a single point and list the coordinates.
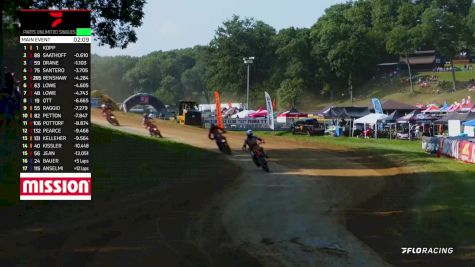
(292, 216)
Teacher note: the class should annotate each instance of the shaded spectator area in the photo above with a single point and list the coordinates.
(10, 101)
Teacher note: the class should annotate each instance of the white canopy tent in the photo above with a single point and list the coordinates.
(372, 118)
(243, 114)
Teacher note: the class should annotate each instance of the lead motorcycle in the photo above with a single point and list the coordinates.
(259, 157)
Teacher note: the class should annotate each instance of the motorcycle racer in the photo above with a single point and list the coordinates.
(215, 132)
(251, 141)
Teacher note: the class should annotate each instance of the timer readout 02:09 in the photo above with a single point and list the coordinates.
(82, 39)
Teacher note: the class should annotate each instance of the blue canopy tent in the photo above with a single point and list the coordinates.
(469, 128)
(469, 123)
(445, 108)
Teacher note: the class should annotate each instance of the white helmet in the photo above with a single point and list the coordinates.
(249, 132)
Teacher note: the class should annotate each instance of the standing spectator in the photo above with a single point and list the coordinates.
(9, 83)
(416, 132)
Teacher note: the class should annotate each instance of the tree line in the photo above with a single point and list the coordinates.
(333, 57)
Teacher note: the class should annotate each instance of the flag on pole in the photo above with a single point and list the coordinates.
(219, 115)
(378, 109)
(270, 111)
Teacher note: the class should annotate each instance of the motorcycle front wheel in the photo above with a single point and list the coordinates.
(227, 149)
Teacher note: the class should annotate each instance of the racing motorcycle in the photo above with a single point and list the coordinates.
(222, 144)
(105, 110)
(112, 119)
(154, 132)
(259, 157)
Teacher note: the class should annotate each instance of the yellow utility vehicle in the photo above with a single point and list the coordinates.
(188, 113)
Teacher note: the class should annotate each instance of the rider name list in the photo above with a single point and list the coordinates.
(55, 90)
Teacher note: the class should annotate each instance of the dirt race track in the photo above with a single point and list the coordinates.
(293, 215)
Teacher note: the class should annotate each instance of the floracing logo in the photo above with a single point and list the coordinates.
(427, 251)
(58, 18)
(55, 186)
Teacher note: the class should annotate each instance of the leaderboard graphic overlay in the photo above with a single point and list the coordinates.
(55, 89)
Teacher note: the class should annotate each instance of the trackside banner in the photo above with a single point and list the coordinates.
(219, 115)
(270, 111)
(467, 151)
(459, 149)
(57, 186)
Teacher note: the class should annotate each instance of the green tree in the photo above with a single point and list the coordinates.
(167, 97)
(403, 41)
(403, 33)
(289, 92)
(343, 44)
(470, 26)
(444, 30)
(103, 68)
(235, 39)
(182, 71)
(384, 15)
(194, 83)
(339, 52)
(293, 57)
(147, 73)
(170, 90)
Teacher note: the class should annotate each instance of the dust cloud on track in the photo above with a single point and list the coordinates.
(292, 216)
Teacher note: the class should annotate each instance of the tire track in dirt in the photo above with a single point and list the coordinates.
(293, 215)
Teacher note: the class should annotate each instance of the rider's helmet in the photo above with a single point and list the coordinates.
(249, 133)
(213, 125)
